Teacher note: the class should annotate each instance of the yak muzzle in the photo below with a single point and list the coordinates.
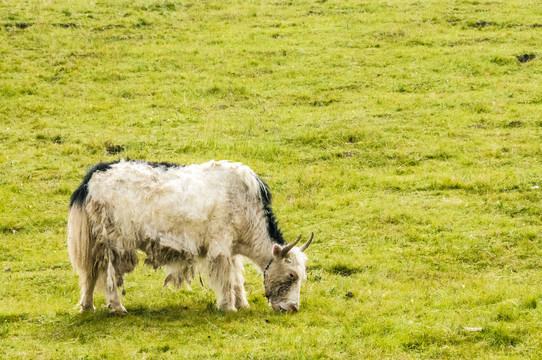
(289, 306)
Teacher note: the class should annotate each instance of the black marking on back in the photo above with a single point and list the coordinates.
(79, 196)
(164, 164)
(272, 225)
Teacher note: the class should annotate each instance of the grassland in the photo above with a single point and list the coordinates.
(405, 134)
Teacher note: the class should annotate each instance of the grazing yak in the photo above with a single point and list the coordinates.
(184, 218)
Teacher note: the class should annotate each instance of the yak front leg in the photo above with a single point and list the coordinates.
(239, 283)
(220, 267)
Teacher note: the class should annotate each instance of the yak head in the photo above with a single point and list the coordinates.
(284, 274)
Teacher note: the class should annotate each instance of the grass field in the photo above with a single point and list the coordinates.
(406, 134)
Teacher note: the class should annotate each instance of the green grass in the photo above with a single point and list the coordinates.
(405, 134)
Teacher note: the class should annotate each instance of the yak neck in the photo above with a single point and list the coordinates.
(259, 249)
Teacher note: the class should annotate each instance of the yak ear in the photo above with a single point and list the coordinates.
(277, 251)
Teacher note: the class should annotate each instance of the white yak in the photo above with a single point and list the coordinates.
(204, 216)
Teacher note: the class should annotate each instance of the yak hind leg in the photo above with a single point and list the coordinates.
(220, 268)
(239, 283)
(112, 279)
(112, 292)
(87, 282)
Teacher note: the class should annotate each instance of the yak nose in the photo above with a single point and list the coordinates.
(288, 306)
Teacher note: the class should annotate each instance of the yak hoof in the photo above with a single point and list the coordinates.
(227, 308)
(87, 308)
(242, 305)
(119, 309)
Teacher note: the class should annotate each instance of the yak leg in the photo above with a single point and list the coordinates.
(220, 269)
(111, 289)
(104, 255)
(87, 282)
(239, 283)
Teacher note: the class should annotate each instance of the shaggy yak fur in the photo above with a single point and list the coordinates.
(206, 216)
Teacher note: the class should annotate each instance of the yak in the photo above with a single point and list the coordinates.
(207, 217)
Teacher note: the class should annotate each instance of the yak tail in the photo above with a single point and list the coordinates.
(80, 241)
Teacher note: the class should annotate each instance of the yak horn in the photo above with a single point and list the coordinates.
(306, 245)
(289, 246)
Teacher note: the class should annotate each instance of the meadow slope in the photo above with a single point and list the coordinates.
(406, 134)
